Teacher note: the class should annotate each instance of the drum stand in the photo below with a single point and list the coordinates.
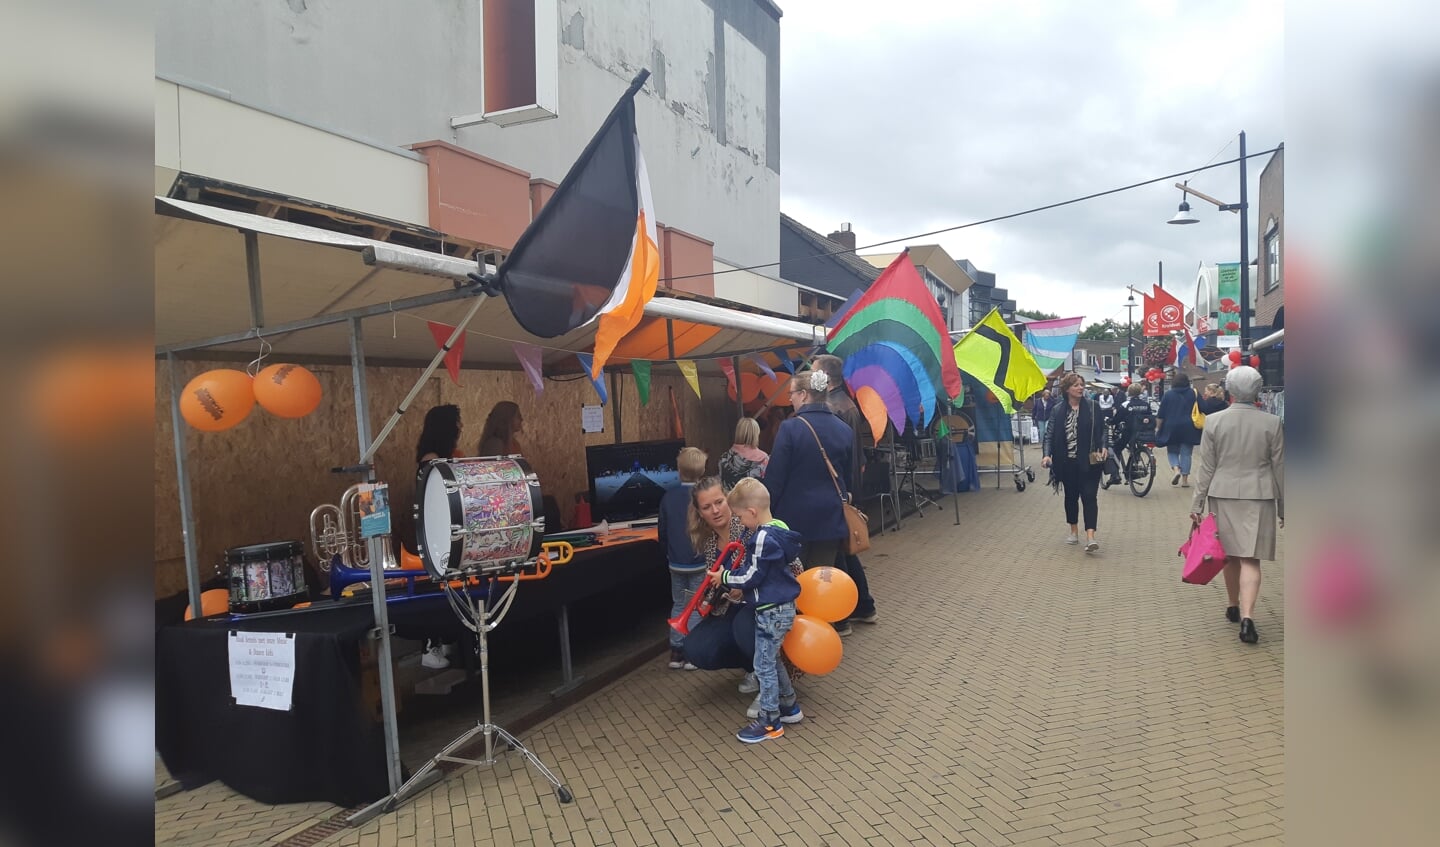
(477, 617)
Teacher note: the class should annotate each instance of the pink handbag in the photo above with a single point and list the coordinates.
(1204, 556)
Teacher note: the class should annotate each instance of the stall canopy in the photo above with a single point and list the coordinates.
(218, 271)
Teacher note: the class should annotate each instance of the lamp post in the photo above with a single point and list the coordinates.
(1130, 336)
(1183, 216)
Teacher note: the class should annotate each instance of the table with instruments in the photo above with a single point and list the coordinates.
(326, 747)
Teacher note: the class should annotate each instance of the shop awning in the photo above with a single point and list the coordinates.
(306, 276)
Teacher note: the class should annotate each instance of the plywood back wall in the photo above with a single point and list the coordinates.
(258, 482)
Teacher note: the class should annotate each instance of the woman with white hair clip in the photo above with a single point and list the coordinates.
(1241, 474)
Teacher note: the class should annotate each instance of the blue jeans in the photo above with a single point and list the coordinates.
(1042, 425)
(771, 627)
(682, 588)
(1179, 455)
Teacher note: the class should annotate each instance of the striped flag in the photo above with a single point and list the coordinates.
(592, 253)
(995, 357)
(1051, 342)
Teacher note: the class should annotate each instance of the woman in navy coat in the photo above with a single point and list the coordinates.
(1176, 429)
(802, 492)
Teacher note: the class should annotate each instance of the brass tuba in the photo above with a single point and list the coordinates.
(335, 535)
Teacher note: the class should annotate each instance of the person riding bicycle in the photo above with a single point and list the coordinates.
(1133, 423)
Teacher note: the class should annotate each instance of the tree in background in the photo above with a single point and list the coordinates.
(1034, 315)
(1106, 330)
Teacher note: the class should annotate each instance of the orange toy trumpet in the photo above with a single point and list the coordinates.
(704, 599)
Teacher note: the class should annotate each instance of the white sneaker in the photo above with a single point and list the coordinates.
(1092, 545)
(749, 685)
(690, 667)
(1072, 539)
(434, 659)
(788, 714)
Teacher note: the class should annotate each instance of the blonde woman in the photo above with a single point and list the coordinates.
(744, 458)
(504, 423)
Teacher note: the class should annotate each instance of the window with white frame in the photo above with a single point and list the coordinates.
(1107, 362)
(1272, 256)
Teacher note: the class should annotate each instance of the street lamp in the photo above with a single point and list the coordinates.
(1243, 209)
(1130, 335)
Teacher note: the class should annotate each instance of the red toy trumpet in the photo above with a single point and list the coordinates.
(704, 599)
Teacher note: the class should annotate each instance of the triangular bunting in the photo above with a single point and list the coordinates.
(727, 367)
(641, 368)
(687, 368)
(762, 365)
(441, 333)
(529, 356)
(598, 382)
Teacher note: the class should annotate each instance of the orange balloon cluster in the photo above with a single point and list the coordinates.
(220, 399)
(827, 593)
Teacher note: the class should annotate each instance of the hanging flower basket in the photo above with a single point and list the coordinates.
(1156, 351)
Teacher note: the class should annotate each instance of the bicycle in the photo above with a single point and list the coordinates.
(1140, 467)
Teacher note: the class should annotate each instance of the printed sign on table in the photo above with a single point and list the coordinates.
(262, 669)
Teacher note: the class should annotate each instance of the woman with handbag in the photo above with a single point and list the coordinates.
(1075, 453)
(1241, 480)
(809, 474)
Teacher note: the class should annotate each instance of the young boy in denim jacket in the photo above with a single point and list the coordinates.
(767, 582)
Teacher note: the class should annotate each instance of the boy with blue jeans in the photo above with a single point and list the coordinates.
(767, 583)
(687, 568)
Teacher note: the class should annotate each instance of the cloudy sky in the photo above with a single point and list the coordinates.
(915, 115)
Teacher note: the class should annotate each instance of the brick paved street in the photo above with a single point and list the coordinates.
(1015, 692)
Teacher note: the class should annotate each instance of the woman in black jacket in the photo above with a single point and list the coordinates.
(1076, 431)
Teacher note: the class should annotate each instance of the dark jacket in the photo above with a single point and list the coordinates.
(765, 575)
(1176, 428)
(841, 404)
(1211, 405)
(674, 514)
(1090, 430)
(801, 492)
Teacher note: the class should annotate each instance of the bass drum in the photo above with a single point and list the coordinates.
(477, 514)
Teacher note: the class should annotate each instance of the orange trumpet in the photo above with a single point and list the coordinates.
(704, 599)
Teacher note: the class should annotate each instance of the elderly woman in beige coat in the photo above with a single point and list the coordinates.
(1242, 475)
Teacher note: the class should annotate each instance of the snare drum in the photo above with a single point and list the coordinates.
(474, 514)
(265, 577)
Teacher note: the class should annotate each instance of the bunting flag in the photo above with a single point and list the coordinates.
(441, 333)
(687, 368)
(1163, 313)
(899, 312)
(641, 369)
(529, 356)
(677, 429)
(762, 365)
(1052, 342)
(597, 381)
(996, 359)
(591, 253)
(727, 367)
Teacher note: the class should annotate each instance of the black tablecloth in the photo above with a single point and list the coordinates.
(323, 748)
(326, 748)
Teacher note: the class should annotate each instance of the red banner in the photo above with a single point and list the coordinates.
(1163, 313)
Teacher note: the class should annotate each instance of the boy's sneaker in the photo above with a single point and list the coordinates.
(759, 731)
(788, 714)
(842, 628)
(677, 659)
(749, 685)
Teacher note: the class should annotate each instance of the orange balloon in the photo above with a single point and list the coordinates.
(212, 602)
(813, 645)
(749, 387)
(827, 593)
(217, 400)
(287, 391)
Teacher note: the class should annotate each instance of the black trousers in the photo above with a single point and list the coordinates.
(1082, 485)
